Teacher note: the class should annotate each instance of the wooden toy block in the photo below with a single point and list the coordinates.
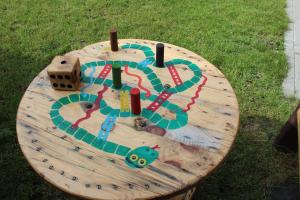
(64, 73)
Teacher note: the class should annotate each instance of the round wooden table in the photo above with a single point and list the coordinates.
(187, 126)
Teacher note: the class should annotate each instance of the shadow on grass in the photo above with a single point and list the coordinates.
(17, 178)
(253, 168)
(288, 190)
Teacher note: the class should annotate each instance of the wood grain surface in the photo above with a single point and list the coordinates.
(187, 143)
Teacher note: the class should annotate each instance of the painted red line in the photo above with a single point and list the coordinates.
(105, 71)
(90, 111)
(159, 101)
(188, 106)
(148, 93)
(175, 76)
(156, 147)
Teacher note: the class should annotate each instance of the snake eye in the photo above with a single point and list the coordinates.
(142, 162)
(134, 157)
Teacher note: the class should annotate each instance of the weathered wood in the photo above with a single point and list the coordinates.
(186, 154)
(185, 196)
(64, 73)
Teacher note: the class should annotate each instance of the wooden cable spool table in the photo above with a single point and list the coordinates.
(88, 143)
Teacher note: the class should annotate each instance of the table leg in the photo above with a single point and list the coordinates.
(185, 196)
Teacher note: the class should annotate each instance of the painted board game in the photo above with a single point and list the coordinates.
(133, 129)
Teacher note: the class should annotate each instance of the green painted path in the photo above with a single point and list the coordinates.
(110, 147)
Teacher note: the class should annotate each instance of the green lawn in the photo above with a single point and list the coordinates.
(243, 38)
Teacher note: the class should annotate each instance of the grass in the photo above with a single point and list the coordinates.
(244, 39)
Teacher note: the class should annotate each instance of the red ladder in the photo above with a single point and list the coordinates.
(175, 76)
(105, 71)
(159, 100)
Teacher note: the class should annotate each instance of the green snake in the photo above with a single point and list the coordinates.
(144, 155)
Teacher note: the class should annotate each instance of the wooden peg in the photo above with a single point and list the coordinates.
(160, 48)
(135, 101)
(114, 40)
(116, 72)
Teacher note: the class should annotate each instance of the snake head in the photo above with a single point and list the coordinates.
(141, 157)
